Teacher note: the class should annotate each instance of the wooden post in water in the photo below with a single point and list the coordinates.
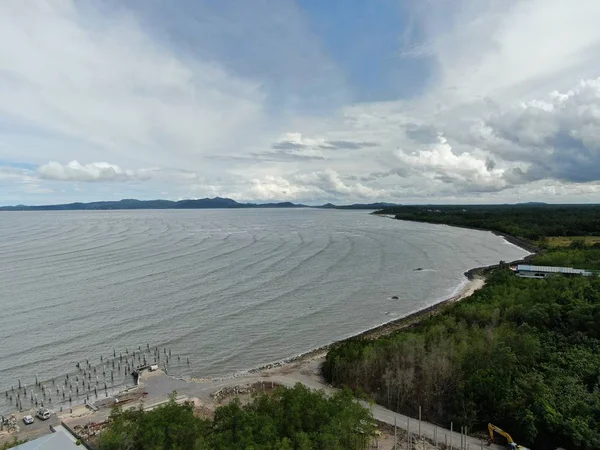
(419, 421)
(451, 435)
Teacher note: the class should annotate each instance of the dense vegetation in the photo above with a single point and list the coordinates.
(531, 222)
(295, 418)
(523, 354)
(582, 258)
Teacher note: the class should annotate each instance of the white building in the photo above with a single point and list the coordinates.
(526, 271)
(60, 439)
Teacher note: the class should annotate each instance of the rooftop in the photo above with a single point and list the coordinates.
(551, 269)
(61, 439)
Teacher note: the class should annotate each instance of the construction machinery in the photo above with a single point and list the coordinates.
(512, 445)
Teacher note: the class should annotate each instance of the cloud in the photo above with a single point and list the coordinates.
(288, 145)
(325, 184)
(466, 171)
(101, 80)
(295, 141)
(511, 48)
(417, 51)
(558, 137)
(424, 134)
(286, 156)
(93, 172)
(349, 145)
(25, 179)
(329, 181)
(8, 173)
(197, 102)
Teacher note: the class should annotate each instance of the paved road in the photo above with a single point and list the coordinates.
(35, 430)
(159, 386)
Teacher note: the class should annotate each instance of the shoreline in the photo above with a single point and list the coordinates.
(471, 286)
(481, 271)
(305, 367)
(475, 280)
(207, 394)
(521, 243)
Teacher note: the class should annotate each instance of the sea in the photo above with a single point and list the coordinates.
(220, 291)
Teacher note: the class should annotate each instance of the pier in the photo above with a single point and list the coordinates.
(89, 381)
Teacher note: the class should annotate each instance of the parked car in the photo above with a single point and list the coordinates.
(28, 420)
(43, 413)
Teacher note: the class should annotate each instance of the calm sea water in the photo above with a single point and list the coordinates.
(228, 289)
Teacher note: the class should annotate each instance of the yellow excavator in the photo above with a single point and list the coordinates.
(512, 445)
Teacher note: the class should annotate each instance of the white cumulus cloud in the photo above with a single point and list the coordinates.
(312, 186)
(96, 171)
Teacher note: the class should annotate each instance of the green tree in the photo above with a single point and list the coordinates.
(296, 418)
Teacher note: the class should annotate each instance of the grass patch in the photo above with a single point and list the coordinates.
(566, 241)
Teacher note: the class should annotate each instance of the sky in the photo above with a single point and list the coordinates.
(309, 101)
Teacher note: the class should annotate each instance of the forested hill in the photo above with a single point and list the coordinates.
(203, 203)
(529, 221)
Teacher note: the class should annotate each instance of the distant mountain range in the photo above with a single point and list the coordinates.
(203, 203)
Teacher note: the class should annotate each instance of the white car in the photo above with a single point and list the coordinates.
(28, 420)
(43, 413)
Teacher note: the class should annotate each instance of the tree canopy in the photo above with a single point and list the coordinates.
(522, 354)
(296, 418)
(532, 222)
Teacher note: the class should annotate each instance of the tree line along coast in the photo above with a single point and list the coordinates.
(522, 354)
